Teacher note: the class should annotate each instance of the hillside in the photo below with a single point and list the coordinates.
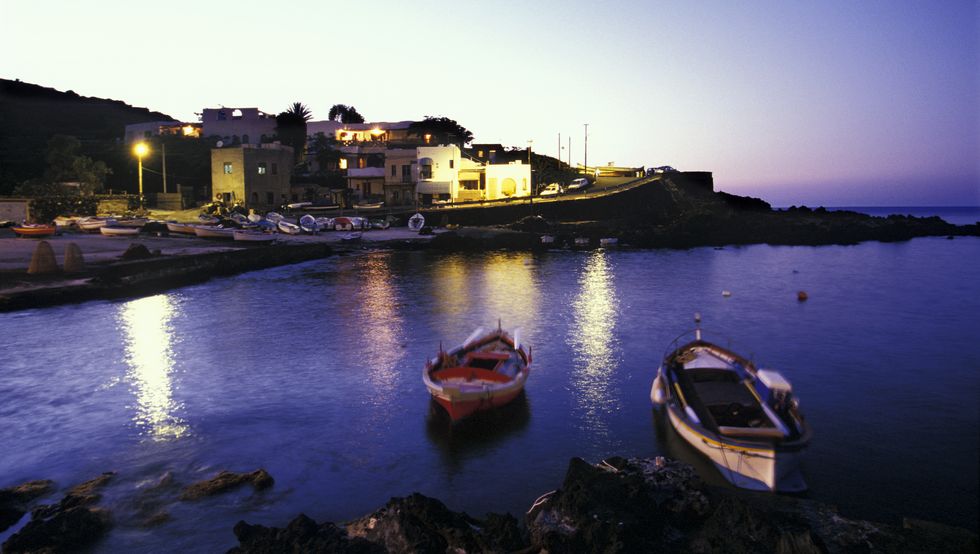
(31, 114)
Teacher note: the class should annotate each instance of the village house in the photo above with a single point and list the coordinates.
(255, 176)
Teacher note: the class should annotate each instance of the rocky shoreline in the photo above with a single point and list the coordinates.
(615, 505)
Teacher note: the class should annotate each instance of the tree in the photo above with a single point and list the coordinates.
(291, 128)
(443, 130)
(66, 165)
(344, 114)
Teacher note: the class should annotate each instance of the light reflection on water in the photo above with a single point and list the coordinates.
(594, 349)
(148, 340)
(382, 330)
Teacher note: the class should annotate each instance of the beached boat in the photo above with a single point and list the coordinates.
(34, 230)
(742, 418)
(288, 228)
(547, 240)
(380, 223)
(274, 217)
(351, 237)
(134, 222)
(91, 224)
(214, 232)
(205, 219)
(64, 221)
(247, 235)
(488, 370)
(325, 223)
(308, 224)
(582, 242)
(416, 222)
(369, 205)
(182, 228)
(116, 230)
(608, 242)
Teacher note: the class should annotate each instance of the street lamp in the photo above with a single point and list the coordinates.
(141, 149)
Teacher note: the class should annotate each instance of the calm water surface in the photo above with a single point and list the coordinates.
(313, 371)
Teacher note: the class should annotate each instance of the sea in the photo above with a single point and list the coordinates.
(313, 371)
(957, 215)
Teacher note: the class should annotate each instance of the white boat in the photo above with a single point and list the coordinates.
(547, 239)
(351, 237)
(63, 221)
(208, 219)
(607, 242)
(119, 231)
(135, 222)
(369, 206)
(246, 235)
(288, 228)
(324, 223)
(307, 224)
(91, 224)
(254, 217)
(416, 222)
(182, 228)
(274, 217)
(298, 205)
(744, 419)
(582, 242)
(214, 232)
(380, 224)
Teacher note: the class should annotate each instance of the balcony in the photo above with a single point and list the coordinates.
(366, 172)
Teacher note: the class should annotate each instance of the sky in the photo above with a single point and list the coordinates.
(836, 103)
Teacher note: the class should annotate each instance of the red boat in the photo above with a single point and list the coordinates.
(35, 230)
(488, 370)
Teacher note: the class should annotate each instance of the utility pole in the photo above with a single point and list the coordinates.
(586, 149)
(559, 151)
(164, 147)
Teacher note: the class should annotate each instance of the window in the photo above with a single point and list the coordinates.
(343, 163)
(270, 198)
(361, 163)
(275, 171)
(245, 139)
(407, 173)
(451, 163)
(394, 197)
(261, 168)
(425, 172)
(255, 198)
(237, 114)
(295, 198)
(227, 168)
(394, 169)
(470, 184)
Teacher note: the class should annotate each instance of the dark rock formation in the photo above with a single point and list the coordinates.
(418, 523)
(227, 480)
(68, 526)
(136, 251)
(15, 501)
(301, 535)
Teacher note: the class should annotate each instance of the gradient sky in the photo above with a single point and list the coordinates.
(833, 103)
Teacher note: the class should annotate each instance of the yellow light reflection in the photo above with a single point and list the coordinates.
(382, 346)
(148, 335)
(449, 285)
(509, 289)
(596, 308)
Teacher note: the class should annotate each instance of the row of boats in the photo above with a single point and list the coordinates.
(744, 419)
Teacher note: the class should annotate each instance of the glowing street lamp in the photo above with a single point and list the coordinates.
(141, 149)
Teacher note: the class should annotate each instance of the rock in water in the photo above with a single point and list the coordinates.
(226, 480)
(301, 535)
(136, 252)
(14, 501)
(74, 262)
(43, 260)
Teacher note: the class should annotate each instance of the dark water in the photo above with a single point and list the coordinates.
(313, 371)
(957, 215)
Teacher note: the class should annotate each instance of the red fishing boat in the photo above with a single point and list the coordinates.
(35, 230)
(488, 370)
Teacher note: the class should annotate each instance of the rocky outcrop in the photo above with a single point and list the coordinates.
(72, 524)
(15, 501)
(225, 481)
(301, 535)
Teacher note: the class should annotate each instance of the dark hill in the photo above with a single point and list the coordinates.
(31, 114)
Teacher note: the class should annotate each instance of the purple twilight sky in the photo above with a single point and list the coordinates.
(833, 103)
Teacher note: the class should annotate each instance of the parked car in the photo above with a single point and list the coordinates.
(579, 184)
(554, 189)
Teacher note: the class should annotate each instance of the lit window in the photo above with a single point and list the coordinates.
(343, 163)
(262, 168)
(227, 168)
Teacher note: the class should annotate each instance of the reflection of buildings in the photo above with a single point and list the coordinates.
(148, 337)
(595, 308)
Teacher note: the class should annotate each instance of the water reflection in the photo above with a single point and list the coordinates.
(476, 434)
(382, 327)
(593, 344)
(509, 289)
(449, 285)
(149, 340)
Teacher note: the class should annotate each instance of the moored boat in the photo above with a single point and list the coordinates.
(288, 228)
(744, 419)
(34, 230)
(308, 224)
(91, 224)
(369, 205)
(116, 230)
(488, 370)
(214, 232)
(351, 237)
(183, 228)
(416, 222)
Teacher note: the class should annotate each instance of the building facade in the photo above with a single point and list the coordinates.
(446, 175)
(238, 125)
(142, 131)
(253, 176)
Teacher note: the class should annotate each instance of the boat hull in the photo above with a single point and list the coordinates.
(119, 231)
(213, 233)
(39, 231)
(460, 408)
(254, 236)
(182, 228)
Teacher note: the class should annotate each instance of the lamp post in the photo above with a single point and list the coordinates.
(140, 150)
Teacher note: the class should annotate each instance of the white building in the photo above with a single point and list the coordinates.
(445, 175)
(238, 125)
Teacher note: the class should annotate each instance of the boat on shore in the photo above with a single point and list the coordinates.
(416, 222)
(308, 224)
(369, 205)
(744, 419)
(182, 228)
(214, 232)
(353, 236)
(91, 224)
(488, 370)
(248, 235)
(288, 228)
(116, 230)
(35, 230)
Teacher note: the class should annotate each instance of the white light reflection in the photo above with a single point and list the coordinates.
(148, 335)
(592, 340)
(382, 326)
(509, 290)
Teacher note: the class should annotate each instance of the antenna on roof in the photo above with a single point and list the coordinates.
(697, 325)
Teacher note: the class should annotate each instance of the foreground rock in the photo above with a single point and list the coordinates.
(617, 505)
(68, 526)
(15, 501)
(227, 480)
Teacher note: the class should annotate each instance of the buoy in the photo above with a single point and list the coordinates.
(726, 293)
(43, 260)
(801, 296)
(74, 262)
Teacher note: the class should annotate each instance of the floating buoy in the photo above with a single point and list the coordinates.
(801, 296)
(726, 293)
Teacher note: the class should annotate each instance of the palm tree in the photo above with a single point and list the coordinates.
(298, 110)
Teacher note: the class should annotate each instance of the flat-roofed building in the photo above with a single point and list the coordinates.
(255, 176)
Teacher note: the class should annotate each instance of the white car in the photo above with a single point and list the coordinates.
(554, 189)
(579, 184)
